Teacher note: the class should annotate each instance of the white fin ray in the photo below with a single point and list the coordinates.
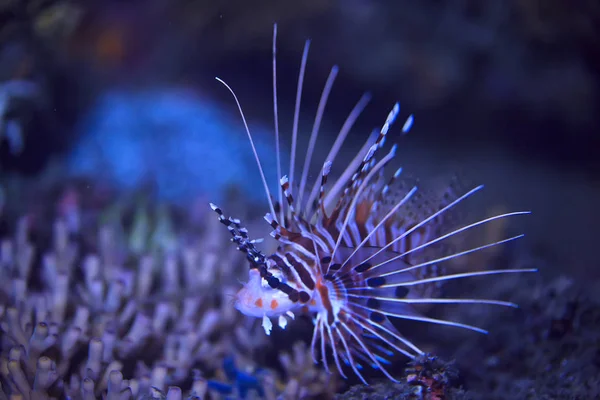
(426, 220)
(339, 141)
(441, 259)
(350, 211)
(315, 133)
(297, 110)
(368, 352)
(276, 122)
(349, 356)
(260, 168)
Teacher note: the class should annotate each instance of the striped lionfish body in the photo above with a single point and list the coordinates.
(352, 255)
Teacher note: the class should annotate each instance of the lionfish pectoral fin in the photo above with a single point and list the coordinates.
(367, 261)
(282, 322)
(267, 325)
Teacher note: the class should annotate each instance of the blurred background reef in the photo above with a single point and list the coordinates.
(114, 136)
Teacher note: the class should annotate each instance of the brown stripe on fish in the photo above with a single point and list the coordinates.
(302, 269)
(326, 301)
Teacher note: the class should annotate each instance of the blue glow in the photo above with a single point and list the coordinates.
(242, 382)
(185, 145)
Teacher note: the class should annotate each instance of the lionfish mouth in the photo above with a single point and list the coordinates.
(363, 251)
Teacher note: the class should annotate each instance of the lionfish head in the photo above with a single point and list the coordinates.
(257, 298)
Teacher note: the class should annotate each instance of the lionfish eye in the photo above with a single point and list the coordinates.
(276, 274)
(264, 283)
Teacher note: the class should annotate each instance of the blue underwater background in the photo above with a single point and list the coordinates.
(118, 281)
(179, 143)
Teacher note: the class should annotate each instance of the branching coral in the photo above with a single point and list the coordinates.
(304, 378)
(81, 314)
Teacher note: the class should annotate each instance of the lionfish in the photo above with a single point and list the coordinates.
(347, 255)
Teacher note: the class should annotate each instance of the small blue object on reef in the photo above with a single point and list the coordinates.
(241, 383)
(179, 143)
(10, 129)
